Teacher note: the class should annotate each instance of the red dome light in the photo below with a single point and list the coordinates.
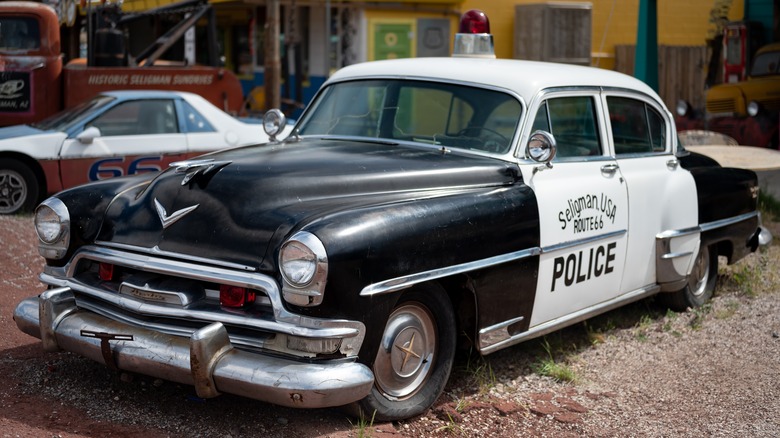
(474, 21)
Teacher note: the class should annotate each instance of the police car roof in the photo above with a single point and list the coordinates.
(526, 78)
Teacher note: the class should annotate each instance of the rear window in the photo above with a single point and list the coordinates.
(19, 33)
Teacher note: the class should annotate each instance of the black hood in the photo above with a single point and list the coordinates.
(248, 206)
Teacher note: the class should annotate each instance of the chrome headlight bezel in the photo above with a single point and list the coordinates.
(52, 225)
(303, 264)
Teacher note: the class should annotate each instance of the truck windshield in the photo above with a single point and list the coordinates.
(766, 64)
(63, 120)
(19, 33)
(450, 115)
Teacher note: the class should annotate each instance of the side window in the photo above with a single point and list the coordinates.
(636, 126)
(139, 117)
(572, 120)
(194, 121)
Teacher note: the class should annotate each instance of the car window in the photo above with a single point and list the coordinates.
(140, 117)
(572, 120)
(194, 120)
(450, 115)
(636, 126)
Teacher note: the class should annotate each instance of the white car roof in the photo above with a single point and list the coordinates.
(525, 78)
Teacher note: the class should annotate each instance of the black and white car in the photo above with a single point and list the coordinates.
(417, 200)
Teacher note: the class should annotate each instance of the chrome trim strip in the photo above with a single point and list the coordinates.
(156, 251)
(585, 241)
(406, 281)
(670, 234)
(674, 255)
(709, 226)
(573, 318)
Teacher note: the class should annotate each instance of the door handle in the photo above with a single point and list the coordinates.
(609, 169)
(672, 164)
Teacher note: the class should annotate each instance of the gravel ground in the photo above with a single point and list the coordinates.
(637, 371)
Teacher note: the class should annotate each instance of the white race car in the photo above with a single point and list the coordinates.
(114, 134)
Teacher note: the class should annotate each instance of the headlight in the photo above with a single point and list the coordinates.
(682, 108)
(303, 263)
(753, 108)
(52, 223)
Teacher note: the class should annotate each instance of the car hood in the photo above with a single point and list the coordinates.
(19, 131)
(240, 213)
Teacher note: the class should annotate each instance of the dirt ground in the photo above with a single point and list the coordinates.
(637, 371)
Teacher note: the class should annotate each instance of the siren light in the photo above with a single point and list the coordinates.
(473, 38)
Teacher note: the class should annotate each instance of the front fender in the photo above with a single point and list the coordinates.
(426, 234)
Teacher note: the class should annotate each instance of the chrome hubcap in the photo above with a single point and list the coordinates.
(405, 356)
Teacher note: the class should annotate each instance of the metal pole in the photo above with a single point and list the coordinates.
(273, 70)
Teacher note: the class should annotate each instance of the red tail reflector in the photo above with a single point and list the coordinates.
(106, 271)
(234, 296)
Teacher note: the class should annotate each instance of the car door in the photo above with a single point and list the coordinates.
(583, 208)
(662, 195)
(134, 136)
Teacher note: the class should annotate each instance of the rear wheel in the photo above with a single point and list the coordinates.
(18, 187)
(701, 282)
(415, 357)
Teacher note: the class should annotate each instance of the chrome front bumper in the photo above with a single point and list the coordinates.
(206, 360)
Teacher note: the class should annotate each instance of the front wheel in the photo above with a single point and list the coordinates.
(18, 187)
(701, 282)
(415, 357)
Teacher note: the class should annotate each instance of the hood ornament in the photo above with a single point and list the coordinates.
(196, 168)
(166, 220)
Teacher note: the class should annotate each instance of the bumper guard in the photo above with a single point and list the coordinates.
(206, 360)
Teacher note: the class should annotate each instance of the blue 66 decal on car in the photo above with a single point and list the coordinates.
(588, 213)
(121, 166)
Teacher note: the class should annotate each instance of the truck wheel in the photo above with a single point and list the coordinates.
(415, 356)
(701, 282)
(18, 187)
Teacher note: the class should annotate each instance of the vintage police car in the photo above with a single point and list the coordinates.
(418, 200)
(114, 134)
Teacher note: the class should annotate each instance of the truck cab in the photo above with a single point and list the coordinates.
(30, 62)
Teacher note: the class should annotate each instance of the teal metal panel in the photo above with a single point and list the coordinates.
(646, 60)
(761, 11)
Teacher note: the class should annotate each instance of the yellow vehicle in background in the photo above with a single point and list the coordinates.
(749, 110)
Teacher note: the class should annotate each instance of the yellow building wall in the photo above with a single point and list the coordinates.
(614, 22)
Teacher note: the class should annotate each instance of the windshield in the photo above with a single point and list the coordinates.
(765, 64)
(19, 33)
(456, 116)
(63, 120)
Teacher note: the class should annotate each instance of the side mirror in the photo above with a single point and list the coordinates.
(88, 135)
(541, 147)
(274, 122)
